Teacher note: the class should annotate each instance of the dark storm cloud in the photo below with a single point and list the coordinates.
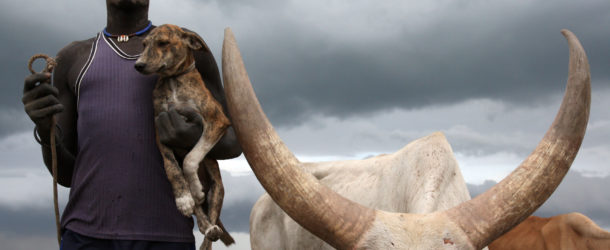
(28, 28)
(229, 7)
(511, 52)
(576, 193)
(483, 50)
(15, 54)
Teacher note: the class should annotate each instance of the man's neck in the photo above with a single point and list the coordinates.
(123, 21)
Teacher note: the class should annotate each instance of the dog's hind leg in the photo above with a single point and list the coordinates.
(214, 199)
(216, 193)
(184, 200)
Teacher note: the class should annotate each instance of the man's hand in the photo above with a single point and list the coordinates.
(179, 129)
(40, 101)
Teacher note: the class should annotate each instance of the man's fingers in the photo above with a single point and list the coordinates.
(176, 118)
(188, 123)
(40, 100)
(32, 80)
(165, 120)
(39, 114)
(41, 103)
(182, 124)
(175, 129)
(39, 91)
(162, 121)
(190, 114)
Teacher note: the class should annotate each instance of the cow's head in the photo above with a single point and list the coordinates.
(347, 225)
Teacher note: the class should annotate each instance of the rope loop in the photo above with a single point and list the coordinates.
(48, 68)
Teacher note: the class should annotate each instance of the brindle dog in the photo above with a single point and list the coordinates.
(168, 53)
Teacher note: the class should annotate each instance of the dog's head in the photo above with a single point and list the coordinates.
(168, 51)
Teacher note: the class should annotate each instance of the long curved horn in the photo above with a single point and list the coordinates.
(338, 221)
(494, 212)
(344, 224)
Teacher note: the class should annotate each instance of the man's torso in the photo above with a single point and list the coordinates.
(119, 188)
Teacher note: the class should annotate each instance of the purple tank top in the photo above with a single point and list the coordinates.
(119, 186)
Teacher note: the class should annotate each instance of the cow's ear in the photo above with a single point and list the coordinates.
(194, 41)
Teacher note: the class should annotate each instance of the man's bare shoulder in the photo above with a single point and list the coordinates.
(70, 59)
(76, 50)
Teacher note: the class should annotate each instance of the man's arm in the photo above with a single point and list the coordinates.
(228, 146)
(41, 101)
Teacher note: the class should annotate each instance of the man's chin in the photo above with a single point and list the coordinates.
(128, 4)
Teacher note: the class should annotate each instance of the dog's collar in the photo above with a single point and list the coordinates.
(125, 38)
(189, 69)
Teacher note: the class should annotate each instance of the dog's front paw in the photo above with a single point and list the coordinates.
(213, 233)
(185, 205)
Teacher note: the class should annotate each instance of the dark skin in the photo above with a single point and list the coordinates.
(178, 129)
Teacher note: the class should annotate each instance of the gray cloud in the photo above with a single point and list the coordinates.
(236, 216)
(11, 241)
(36, 216)
(576, 193)
(500, 51)
(490, 137)
(27, 221)
(241, 192)
(14, 119)
(31, 27)
(410, 55)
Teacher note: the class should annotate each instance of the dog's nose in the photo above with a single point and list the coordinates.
(140, 66)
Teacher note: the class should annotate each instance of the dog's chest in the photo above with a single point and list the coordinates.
(172, 93)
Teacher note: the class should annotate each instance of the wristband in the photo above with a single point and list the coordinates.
(37, 136)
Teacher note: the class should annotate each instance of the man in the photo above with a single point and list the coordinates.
(120, 197)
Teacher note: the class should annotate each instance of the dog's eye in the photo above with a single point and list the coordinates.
(162, 43)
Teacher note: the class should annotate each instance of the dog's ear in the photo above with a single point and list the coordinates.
(194, 41)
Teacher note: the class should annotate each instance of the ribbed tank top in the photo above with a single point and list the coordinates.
(119, 186)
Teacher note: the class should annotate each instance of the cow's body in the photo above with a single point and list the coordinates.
(561, 232)
(420, 178)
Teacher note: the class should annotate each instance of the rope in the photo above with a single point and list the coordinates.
(48, 69)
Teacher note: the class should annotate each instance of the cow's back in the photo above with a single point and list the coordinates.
(420, 178)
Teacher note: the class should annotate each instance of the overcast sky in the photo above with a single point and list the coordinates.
(346, 80)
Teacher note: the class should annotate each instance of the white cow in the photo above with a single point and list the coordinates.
(419, 179)
(422, 177)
